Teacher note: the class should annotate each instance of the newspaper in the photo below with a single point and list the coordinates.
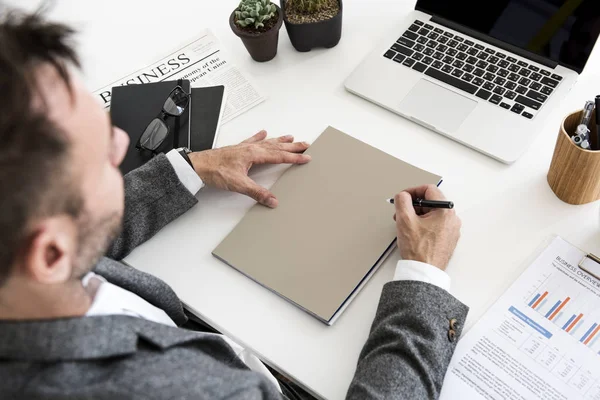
(204, 63)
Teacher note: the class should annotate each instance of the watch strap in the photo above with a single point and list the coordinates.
(184, 154)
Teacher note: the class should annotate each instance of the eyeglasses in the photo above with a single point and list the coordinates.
(157, 130)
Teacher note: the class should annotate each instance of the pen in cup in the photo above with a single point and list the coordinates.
(586, 115)
(581, 137)
(429, 203)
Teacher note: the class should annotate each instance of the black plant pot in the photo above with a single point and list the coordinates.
(305, 37)
(261, 46)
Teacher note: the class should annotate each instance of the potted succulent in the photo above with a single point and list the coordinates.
(257, 23)
(313, 23)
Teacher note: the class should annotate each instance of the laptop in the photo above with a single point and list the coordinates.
(485, 74)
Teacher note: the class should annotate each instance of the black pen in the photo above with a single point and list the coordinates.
(598, 122)
(429, 203)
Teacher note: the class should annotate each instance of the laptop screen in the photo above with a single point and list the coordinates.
(563, 31)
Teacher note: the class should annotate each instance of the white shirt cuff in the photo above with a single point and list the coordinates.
(409, 270)
(186, 174)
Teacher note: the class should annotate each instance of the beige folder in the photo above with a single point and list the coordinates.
(332, 228)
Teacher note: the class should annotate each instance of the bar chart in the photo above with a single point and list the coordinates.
(569, 308)
(590, 335)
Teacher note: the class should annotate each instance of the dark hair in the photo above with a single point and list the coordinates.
(34, 171)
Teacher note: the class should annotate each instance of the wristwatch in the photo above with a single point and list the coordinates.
(184, 151)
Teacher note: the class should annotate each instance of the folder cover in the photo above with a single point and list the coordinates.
(332, 228)
(208, 105)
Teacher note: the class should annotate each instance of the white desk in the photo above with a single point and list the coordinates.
(506, 210)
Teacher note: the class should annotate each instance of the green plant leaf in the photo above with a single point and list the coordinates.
(256, 11)
(259, 25)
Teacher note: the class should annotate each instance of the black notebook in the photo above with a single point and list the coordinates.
(208, 106)
(134, 106)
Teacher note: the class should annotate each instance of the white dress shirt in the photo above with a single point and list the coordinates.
(110, 299)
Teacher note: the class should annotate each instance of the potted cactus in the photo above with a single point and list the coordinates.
(313, 23)
(257, 23)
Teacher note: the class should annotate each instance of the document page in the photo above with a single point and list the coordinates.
(540, 340)
(204, 63)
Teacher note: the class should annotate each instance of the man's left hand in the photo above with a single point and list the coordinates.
(227, 167)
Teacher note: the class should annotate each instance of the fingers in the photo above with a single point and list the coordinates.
(257, 138)
(405, 210)
(282, 157)
(426, 192)
(417, 192)
(262, 135)
(434, 193)
(298, 147)
(284, 139)
(258, 193)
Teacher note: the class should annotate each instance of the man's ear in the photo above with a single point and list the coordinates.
(51, 252)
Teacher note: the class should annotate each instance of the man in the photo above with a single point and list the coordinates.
(77, 325)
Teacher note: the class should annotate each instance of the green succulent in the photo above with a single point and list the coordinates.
(307, 6)
(254, 13)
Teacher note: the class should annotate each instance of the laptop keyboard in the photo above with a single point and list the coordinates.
(491, 75)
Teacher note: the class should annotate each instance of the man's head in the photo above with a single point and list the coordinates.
(60, 187)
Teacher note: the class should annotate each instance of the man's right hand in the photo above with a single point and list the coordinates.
(426, 235)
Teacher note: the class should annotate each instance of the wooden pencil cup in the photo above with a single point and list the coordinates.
(574, 174)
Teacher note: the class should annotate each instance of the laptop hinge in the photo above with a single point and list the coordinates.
(495, 42)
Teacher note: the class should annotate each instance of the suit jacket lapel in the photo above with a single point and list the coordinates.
(148, 287)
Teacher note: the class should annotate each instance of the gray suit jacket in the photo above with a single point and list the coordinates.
(121, 357)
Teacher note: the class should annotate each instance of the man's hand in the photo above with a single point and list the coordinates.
(429, 236)
(227, 168)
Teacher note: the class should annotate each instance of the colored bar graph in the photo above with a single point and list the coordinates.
(558, 318)
(560, 312)
(539, 300)
(565, 326)
(542, 304)
(562, 305)
(588, 333)
(591, 337)
(554, 307)
(570, 328)
(537, 296)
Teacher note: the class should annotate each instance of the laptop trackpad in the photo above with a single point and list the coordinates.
(437, 106)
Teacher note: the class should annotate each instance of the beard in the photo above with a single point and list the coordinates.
(95, 235)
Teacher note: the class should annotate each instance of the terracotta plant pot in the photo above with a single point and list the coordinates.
(261, 46)
(305, 37)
